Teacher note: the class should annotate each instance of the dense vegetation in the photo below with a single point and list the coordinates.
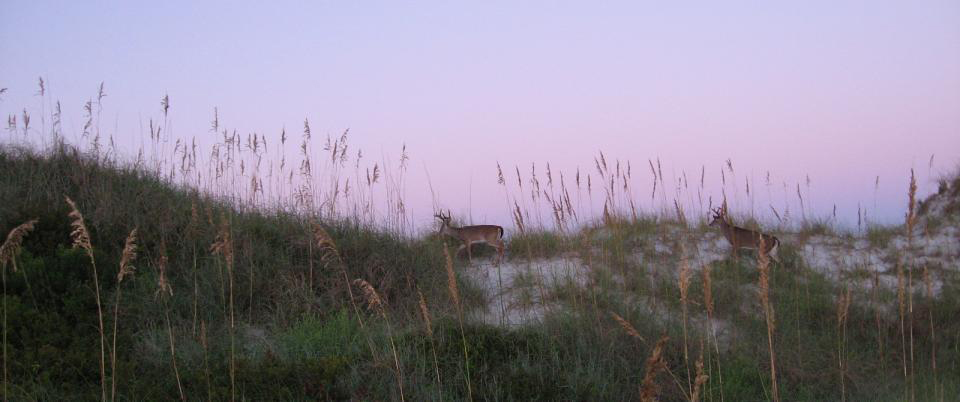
(229, 301)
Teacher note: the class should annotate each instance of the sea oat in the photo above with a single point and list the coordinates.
(129, 254)
(763, 263)
(80, 234)
(163, 285)
(911, 221)
(126, 269)
(325, 242)
(8, 253)
(223, 244)
(425, 313)
(649, 389)
(843, 307)
(684, 285)
(451, 277)
(708, 290)
(370, 295)
(627, 327)
(700, 379)
(11, 247)
(81, 238)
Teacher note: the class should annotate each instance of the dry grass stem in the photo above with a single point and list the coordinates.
(763, 262)
(455, 295)
(8, 255)
(129, 254)
(223, 245)
(425, 314)
(684, 285)
(374, 302)
(164, 290)
(126, 269)
(11, 246)
(627, 327)
(843, 307)
(911, 221)
(649, 389)
(700, 380)
(451, 278)
(80, 234)
(81, 239)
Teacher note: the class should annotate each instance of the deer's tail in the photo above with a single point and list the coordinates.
(501, 231)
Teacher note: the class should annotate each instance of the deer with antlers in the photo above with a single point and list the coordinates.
(739, 237)
(491, 235)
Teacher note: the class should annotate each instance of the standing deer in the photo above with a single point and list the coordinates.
(492, 235)
(739, 237)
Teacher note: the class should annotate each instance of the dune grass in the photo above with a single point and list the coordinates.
(234, 297)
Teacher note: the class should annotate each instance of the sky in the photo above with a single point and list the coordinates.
(840, 92)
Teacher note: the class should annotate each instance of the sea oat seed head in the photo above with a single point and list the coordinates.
(11, 247)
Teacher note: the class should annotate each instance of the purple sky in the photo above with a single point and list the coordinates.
(840, 91)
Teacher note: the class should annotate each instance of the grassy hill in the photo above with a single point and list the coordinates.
(229, 301)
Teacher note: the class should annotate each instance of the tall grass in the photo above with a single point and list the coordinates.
(763, 265)
(455, 297)
(126, 269)
(8, 255)
(272, 314)
(81, 239)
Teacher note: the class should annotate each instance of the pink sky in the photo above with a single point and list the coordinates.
(840, 91)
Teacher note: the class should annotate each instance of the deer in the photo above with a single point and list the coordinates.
(739, 237)
(491, 235)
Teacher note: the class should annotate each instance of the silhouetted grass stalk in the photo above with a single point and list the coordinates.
(223, 246)
(649, 389)
(164, 291)
(428, 325)
(708, 303)
(126, 269)
(843, 306)
(763, 263)
(911, 220)
(8, 255)
(81, 239)
(684, 284)
(329, 251)
(375, 302)
(455, 295)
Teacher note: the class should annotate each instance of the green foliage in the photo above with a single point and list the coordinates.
(297, 339)
(537, 244)
(337, 335)
(817, 227)
(880, 236)
(53, 339)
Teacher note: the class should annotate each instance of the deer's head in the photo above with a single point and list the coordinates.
(719, 217)
(444, 220)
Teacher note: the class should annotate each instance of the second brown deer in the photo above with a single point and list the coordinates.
(489, 234)
(739, 237)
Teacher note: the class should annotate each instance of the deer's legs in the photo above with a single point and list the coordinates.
(469, 253)
(499, 246)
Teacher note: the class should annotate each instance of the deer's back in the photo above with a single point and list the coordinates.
(487, 232)
(751, 238)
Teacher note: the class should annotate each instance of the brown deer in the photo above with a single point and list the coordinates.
(739, 237)
(491, 235)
